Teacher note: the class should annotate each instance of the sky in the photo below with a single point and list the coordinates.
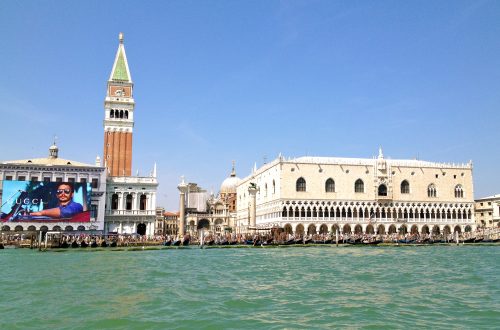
(222, 81)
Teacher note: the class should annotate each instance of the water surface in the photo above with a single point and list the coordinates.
(249, 288)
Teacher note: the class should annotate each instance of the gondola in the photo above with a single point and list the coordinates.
(467, 240)
(74, 244)
(308, 241)
(354, 241)
(406, 241)
(185, 241)
(269, 241)
(93, 244)
(177, 242)
(113, 244)
(104, 244)
(84, 244)
(64, 245)
(371, 242)
(1, 246)
(167, 243)
(299, 241)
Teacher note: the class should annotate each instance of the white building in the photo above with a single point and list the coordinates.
(488, 211)
(323, 194)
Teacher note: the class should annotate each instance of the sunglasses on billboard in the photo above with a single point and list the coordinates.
(60, 191)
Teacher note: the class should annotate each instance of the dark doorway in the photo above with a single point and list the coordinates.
(203, 224)
(141, 229)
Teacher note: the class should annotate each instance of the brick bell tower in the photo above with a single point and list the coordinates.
(119, 116)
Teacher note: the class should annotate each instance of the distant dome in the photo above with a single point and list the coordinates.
(229, 185)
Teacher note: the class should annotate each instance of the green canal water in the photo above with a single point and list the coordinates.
(252, 288)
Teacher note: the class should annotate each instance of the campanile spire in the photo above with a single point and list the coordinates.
(119, 116)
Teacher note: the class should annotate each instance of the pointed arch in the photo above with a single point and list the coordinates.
(299, 230)
(382, 190)
(300, 185)
(330, 185)
(431, 190)
(405, 187)
(459, 191)
(359, 186)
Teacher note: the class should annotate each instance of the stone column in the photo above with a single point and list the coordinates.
(252, 191)
(120, 202)
(183, 188)
(134, 201)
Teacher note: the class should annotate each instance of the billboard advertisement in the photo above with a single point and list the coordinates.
(34, 201)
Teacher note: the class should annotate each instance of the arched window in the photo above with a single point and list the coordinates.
(265, 190)
(274, 187)
(459, 192)
(300, 185)
(359, 186)
(121, 114)
(128, 206)
(114, 202)
(431, 190)
(112, 113)
(143, 203)
(330, 185)
(382, 190)
(405, 187)
(126, 114)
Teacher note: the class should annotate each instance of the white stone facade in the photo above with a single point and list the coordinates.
(131, 203)
(321, 194)
(488, 211)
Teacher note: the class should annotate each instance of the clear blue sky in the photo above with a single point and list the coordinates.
(217, 81)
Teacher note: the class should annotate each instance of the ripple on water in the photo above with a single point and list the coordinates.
(248, 288)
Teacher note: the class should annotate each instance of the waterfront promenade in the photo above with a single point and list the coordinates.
(83, 240)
